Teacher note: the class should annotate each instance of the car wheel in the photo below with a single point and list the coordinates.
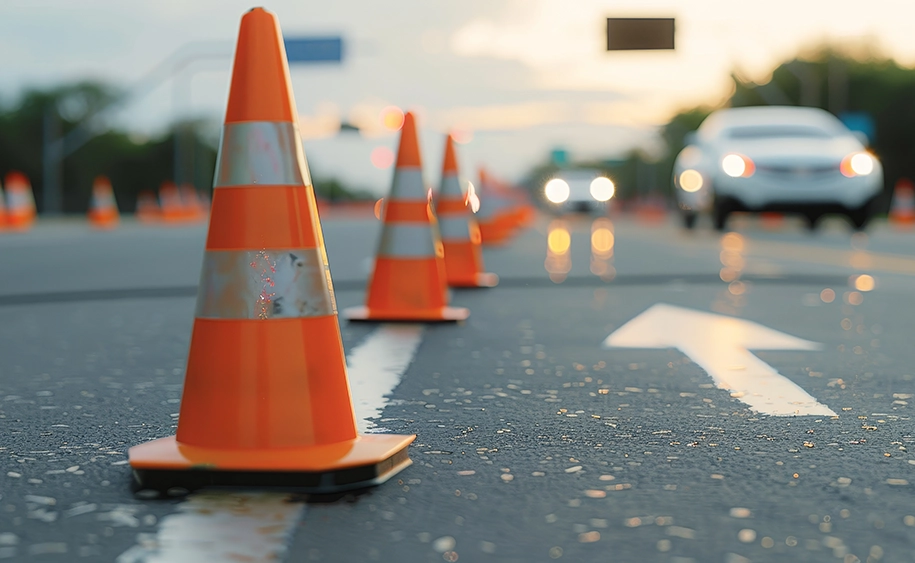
(861, 216)
(720, 212)
(689, 220)
(812, 220)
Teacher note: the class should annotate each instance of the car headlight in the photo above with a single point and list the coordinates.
(737, 165)
(602, 189)
(556, 190)
(690, 180)
(857, 164)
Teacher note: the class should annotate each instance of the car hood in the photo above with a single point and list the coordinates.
(791, 152)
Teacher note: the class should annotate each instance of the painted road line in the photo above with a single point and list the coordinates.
(376, 366)
(218, 526)
(257, 526)
(720, 345)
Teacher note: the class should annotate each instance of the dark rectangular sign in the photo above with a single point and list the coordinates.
(314, 49)
(636, 34)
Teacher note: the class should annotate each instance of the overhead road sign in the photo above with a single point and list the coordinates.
(314, 49)
(639, 34)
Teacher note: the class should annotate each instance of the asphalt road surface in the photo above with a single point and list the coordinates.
(534, 441)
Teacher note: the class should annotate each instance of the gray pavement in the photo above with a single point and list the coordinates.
(533, 442)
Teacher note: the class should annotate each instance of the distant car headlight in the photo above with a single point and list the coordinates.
(737, 166)
(556, 190)
(602, 189)
(690, 180)
(857, 164)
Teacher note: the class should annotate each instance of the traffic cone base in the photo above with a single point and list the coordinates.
(461, 264)
(353, 464)
(399, 293)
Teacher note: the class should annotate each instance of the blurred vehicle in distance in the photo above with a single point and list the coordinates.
(584, 190)
(787, 159)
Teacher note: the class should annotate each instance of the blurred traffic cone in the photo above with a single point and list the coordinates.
(171, 208)
(20, 207)
(495, 227)
(459, 229)
(408, 282)
(103, 209)
(147, 207)
(2, 210)
(190, 203)
(902, 209)
(266, 400)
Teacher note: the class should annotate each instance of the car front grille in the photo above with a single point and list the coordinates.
(797, 172)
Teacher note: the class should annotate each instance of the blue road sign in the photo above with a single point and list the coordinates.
(314, 49)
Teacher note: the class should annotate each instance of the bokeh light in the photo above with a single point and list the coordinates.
(473, 200)
(690, 181)
(382, 158)
(864, 282)
(392, 118)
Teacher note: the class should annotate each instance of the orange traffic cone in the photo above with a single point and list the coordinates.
(496, 224)
(266, 400)
(459, 229)
(902, 209)
(103, 209)
(408, 282)
(2, 210)
(20, 207)
(147, 207)
(190, 203)
(171, 207)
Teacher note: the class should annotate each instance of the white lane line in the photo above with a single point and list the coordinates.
(218, 526)
(720, 345)
(256, 526)
(376, 366)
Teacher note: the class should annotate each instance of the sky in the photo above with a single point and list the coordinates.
(516, 78)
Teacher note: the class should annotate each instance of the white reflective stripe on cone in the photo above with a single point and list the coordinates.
(451, 186)
(454, 228)
(408, 185)
(18, 200)
(261, 152)
(400, 240)
(264, 284)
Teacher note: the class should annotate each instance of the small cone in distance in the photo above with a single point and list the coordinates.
(103, 209)
(171, 208)
(266, 401)
(147, 207)
(20, 207)
(902, 208)
(496, 227)
(408, 280)
(459, 230)
(2, 210)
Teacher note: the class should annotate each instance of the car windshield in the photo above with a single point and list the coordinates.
(778, 131)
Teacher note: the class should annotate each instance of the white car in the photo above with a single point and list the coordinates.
(786, 159)
(585, 190)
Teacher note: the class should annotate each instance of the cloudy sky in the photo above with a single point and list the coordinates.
(516, 77)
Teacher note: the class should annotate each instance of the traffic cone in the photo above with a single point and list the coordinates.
(190, 203)
(2, 210)
(103, 209)
(408, 281)
(266, 400)
(20, 207)
(902, 209)
(496, 227)
(459, 229)
(147, 207)
(171, 208)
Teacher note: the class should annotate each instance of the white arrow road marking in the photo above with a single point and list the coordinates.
(257, 526)
(720, 345)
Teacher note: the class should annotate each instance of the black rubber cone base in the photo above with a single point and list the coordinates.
(351, 478)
